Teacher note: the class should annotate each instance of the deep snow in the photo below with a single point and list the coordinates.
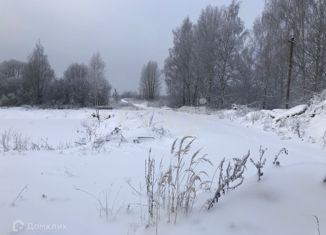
(60, 182)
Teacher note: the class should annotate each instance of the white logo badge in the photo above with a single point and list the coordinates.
(18, 226)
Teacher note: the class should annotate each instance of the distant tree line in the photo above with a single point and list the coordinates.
(217, 60)
(34, 82)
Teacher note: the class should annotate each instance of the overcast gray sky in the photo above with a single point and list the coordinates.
(127, 33)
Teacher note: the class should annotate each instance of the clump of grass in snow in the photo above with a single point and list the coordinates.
(15, 141)
(229, 178)
(106, 204)
(19, 195)
(174, 190)
(276, 161)
(260, 163)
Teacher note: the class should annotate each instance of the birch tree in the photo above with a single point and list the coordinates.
(99, 84)
(178, 66)
(231, 35)
(37, 75)
(76, 84)
(150, 81)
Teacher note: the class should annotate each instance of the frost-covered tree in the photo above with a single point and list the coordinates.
(11, 92)
(77, 85)
(217, 59)
(230, 41)
(178, 69)
(245, 88)
(206, 42)
(213, 60)
(150, 85)
(203, 60)
(37, 75)
(316, 44)
(305, 21)
(100, 86)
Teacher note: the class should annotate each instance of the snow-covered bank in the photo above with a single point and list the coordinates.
(306, 122)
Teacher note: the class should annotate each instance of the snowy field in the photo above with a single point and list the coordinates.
(59, 181)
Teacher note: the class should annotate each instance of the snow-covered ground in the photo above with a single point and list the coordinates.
(303, 122)
(94, 164)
